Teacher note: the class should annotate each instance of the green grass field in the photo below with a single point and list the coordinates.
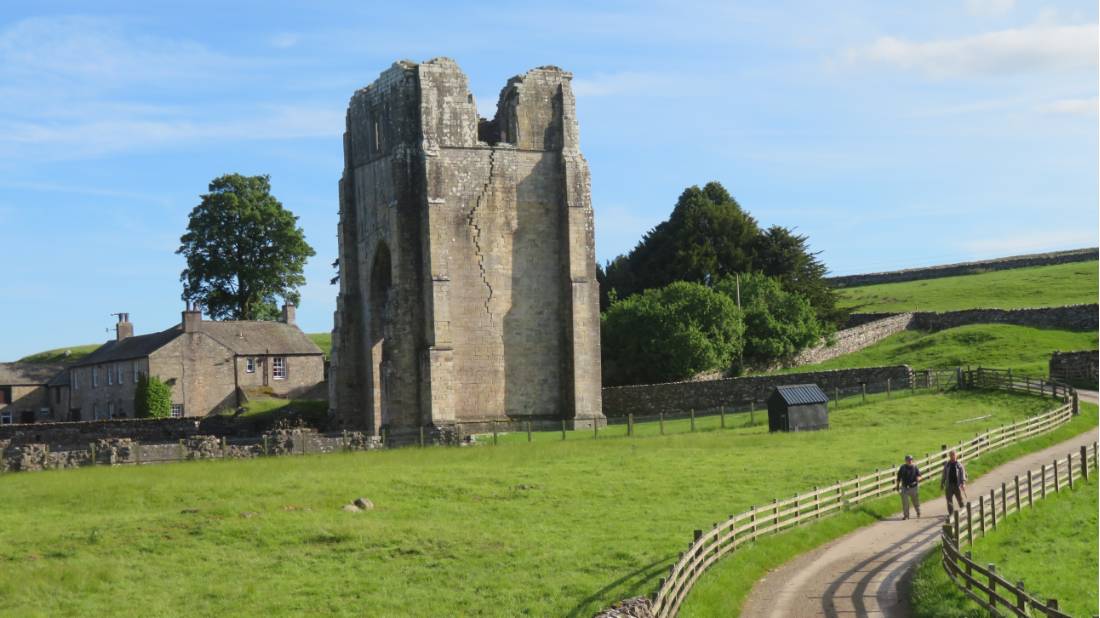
(1020, 348)
(1050, 547)
(323, 341)
(61, 355)
(551, 528)
(724, 588)
(1039, 286)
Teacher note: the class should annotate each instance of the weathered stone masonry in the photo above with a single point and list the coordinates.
(1079, 368)
(467, 264)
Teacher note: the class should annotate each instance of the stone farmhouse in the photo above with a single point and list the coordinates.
(209, 366)
(25, 392)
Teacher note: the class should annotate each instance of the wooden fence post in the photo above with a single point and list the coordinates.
(775, 513)
(817, 503)
(595, 430)
(630, 424)
(863, 389)
(421, 436)
(91, 447)
(981, 514)
(836, 398)
(1016, 482)
(1069, 470)
(1085, 462)
(563, 429)
(1030, 498)
(993, 506)
(969, 526)
(137, 452)
(1004, 499)
(662, 423)
(494, 424)
(1043, 481)
(969, 571)
(1057, 486)
(1021, 598)
(693, 419)
(1052, 604)
(992, 584)
(722, 416)
(181, 450)
(955, 524)
(225, 448)
(265, 445)
(529, 429)
(752, 521)
(888, 393)
(752, 412)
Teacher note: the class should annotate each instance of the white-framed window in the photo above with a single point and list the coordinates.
(120, 377)
(250, 364)
(137, 372)
(43, 412)
(278, 367)
(5, 417)
(110, 409)
(95, 377)
(177, 410)
(74, 378)
(110, 375)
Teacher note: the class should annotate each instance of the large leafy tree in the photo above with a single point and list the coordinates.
(782, 254)
(778, 324)
(243, 250)
(707, 237)
(670, 333)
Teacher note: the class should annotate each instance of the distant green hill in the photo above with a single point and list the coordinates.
(75, 353)
(1039, 286)
(61, 355)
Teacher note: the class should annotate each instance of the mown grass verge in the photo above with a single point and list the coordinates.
(1037, 286)
(723, 589)
(1051, 547)
(1020, 348)
(558, 528)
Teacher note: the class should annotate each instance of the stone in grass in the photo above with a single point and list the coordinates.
(351, 508)
(363, 503)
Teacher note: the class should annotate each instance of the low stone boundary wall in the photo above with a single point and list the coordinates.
(27, 457)
(965, 268)
(854, 339)
(1067, 317)
(682, 397)
(83, 432)
(1079, 368)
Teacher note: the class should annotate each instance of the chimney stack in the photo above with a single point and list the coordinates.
(288, 313)
(192, 316)
(124, 328)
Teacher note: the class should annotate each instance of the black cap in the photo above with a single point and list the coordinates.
(908, 458)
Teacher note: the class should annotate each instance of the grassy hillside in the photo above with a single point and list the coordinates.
(551, 528)
(1050, 547)
(1039, 286)
(61, 355)
(323, 341)
(1004, 346)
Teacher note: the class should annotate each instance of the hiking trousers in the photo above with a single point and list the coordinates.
(953, 491)
(910, 494)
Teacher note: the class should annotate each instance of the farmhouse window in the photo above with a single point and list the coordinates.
(5, 394)
(278, 367)
(177, 410)
(74, 377)
(137, 372)
(120, 376)
(5, 418)
(95, 377)
(250, 364)
(110, 375)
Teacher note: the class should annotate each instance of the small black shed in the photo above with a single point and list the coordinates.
(798, 407)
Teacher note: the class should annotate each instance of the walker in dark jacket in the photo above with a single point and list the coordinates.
(953, 481)
(908, 483)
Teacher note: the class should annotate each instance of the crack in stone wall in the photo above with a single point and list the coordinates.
(471, 219)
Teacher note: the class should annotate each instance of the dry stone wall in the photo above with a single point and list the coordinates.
(965, 268)
(1068, 317)
(854, 339)
(1077, 368)
(682, 397)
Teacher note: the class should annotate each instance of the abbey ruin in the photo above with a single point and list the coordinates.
(468, 289)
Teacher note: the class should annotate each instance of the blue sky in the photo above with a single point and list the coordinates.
(893, 134)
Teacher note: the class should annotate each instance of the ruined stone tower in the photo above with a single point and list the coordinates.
(467, 267)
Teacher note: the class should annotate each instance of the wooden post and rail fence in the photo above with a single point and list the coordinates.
(985, 585)
(707, 547)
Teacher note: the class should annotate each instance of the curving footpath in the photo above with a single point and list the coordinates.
(861, 574)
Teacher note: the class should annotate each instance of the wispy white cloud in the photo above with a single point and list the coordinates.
(1032, 241)
(1075, 107)
(990, 8)
(285, 40)
(1041, 47)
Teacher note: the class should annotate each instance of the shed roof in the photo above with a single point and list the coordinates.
(29, 373)
(801, 394)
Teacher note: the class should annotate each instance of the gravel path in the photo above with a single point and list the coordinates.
(864, 572)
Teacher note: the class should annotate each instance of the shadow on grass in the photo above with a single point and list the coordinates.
(641, 574)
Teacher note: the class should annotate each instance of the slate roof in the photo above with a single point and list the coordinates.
(29, 373)
(801, 394)
(241, 337)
